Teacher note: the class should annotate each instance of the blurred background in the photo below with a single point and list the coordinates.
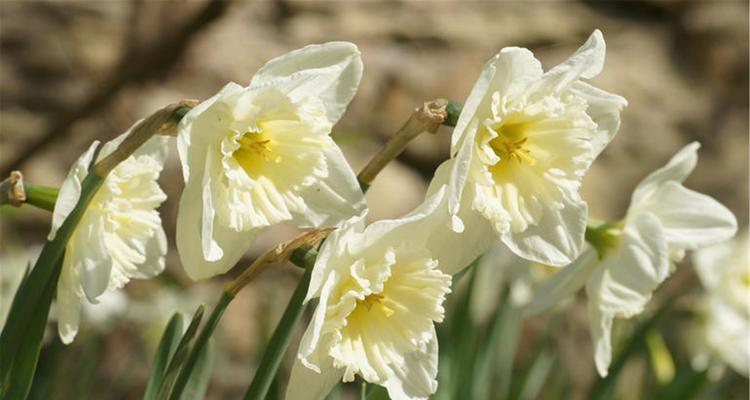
(76, 71)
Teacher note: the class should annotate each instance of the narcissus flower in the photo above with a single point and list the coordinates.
(119, 236)
(381, 290)
(521, 146)
(260, 155)
(628, 260)
(724, 271)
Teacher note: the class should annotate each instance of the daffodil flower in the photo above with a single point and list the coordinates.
(630, 259)
(119, 236)
(260, 155)
(520, 148)
(380, 291)
(724, 271)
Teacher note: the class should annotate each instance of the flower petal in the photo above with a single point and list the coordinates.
(336, 198)
(563, 284)
(415, 377)
(601, 336)
(690, 219)
(306, 384)
(604, 109)
(70, 190)
(156, 248)
(93, 259)
(507, 72)
(587, 62)
(329, 71)
(199, 238)
(677, 169)
(556, 239)
(193, 133)
(628, 275)
(68, 305)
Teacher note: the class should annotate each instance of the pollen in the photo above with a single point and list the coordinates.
(511, 144)
(254, 153)
(376, 300)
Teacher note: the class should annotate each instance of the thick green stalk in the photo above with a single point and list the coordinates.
(43, 197)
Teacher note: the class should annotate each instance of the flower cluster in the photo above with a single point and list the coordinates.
(262, 155)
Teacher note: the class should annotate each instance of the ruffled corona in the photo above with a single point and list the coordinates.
(386, 308)
(268, 157)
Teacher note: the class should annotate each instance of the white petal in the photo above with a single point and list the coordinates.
(336, 198)
(189, 237)
(556, 239)
(507, 72)
(458, 171)
(690, 219)
(156, 249)
(456, 248)
(628, 275)
(563, 284)
(415, 378)
(306, 384)
(601, 336)
(94, 263)
(455, 251)
(677, 169)
(604, 109)
(68, 305)
(70, 190)
(587, 62)
(194, 133)
(329, 71)
(333, 248)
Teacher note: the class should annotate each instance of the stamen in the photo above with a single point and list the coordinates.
(375, 300)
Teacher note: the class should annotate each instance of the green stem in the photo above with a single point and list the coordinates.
(280, 339)
(43, 197)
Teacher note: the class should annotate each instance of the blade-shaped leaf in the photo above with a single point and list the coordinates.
(167, 347)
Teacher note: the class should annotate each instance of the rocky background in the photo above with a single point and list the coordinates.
(76, 71)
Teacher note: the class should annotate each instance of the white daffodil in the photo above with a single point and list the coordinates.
(724, 271)
(119, 236)
(381, 290)
(260, 155)
(628, 260)
(521, 146)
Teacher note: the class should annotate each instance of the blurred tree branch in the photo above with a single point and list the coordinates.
(135, 66)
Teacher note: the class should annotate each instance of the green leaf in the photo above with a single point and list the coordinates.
(377, 392)
(180, 354)
(24, 328)
(499, 351)
(272, 356)
(167, 347)
(198, 347)
(534, 377)
(201, 374)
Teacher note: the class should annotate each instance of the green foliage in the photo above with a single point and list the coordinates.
(167, 347)
(274, 353)
(24, 328)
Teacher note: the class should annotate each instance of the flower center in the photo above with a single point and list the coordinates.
(255, 151)
(375, 300)
(510, 144)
